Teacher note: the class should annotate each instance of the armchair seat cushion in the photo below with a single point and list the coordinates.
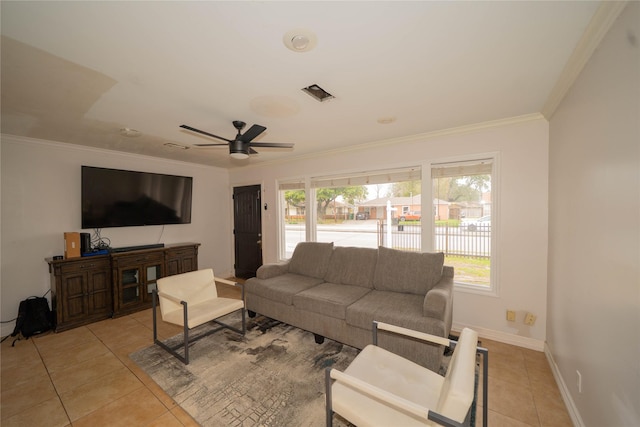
(385, 386)
(203, 312)
(394, 374)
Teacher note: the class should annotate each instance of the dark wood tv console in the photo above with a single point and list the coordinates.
(89, 289)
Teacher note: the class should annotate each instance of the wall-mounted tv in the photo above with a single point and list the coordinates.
(121, 198)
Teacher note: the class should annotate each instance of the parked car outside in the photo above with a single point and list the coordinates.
(481, 224)
(362, 215)
(411, 216)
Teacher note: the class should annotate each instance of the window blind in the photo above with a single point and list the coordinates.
(475, 167)
(367, 178)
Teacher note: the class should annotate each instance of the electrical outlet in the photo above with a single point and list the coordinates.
(579, 376)
(511, 315)
(529, 319)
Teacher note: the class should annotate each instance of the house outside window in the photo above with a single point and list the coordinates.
(292, 212)
(464, 194)
(360, 209)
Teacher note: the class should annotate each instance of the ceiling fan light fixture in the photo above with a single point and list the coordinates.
(300, 40)
(238, 149)
(239, 156)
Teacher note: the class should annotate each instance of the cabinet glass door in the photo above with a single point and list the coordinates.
(130, 280)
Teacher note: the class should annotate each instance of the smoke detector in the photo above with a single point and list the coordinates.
(300, 40)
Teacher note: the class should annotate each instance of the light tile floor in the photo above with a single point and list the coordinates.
(84, 377)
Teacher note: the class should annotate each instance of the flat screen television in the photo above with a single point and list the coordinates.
(121, 198)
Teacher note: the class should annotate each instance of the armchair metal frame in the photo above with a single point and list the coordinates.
(416, 410)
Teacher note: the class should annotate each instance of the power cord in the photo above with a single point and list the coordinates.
(99, 242)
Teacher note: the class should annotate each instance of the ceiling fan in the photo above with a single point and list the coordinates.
(241, 146)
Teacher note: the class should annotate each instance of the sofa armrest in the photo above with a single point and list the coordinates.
(268, 271)
(438, 303)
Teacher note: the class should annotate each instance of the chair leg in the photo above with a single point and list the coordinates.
(185, 359)
(186, 334)
(485, 384)
(155, 327)
(328, 407)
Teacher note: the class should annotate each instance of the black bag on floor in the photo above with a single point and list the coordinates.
(34, 317)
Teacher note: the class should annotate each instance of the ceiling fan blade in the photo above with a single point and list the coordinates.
(253, 131)
(203, 132)
(272, 144)
(212, 145)
(252, 151)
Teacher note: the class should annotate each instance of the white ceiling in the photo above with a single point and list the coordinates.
(78, 72)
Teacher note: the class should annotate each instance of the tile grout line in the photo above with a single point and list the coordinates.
(64, 408)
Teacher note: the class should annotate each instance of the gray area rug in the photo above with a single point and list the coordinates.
(274, 376)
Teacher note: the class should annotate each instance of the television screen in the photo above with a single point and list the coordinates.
(120, 198)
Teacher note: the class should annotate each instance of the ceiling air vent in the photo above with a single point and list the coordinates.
(318, 93)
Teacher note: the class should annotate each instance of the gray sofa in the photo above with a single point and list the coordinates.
(338, 292)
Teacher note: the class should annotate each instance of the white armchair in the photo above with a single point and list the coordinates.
(380, 388)
(190, 300)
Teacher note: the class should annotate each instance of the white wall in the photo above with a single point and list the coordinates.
(41, 200)
(594, 233)
(523, 149)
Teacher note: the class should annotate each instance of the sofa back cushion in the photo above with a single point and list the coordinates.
(352, 266)
(311, 259)
(410, 272)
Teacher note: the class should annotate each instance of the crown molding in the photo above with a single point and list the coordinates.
(598, 27)
(421, 137)
(16, 139)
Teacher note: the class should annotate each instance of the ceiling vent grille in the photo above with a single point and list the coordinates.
(317, 93)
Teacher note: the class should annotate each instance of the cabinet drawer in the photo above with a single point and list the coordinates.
(176, 253)
(140, 258)
(89, 264)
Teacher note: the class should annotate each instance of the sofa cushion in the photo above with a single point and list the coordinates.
(329, 299)
(311, 259)
(281, 288)
(401, 309)
(402, 271)
(352, 266)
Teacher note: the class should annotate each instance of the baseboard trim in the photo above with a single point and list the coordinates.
(564, 390)
(532, 344)
(503, 337)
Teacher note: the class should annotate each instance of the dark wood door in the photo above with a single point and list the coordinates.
(247, 222)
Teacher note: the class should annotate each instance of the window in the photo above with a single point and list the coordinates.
(359, 209)
(463, 204)
(292, 214)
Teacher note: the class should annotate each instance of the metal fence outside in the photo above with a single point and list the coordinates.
(468, 241)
